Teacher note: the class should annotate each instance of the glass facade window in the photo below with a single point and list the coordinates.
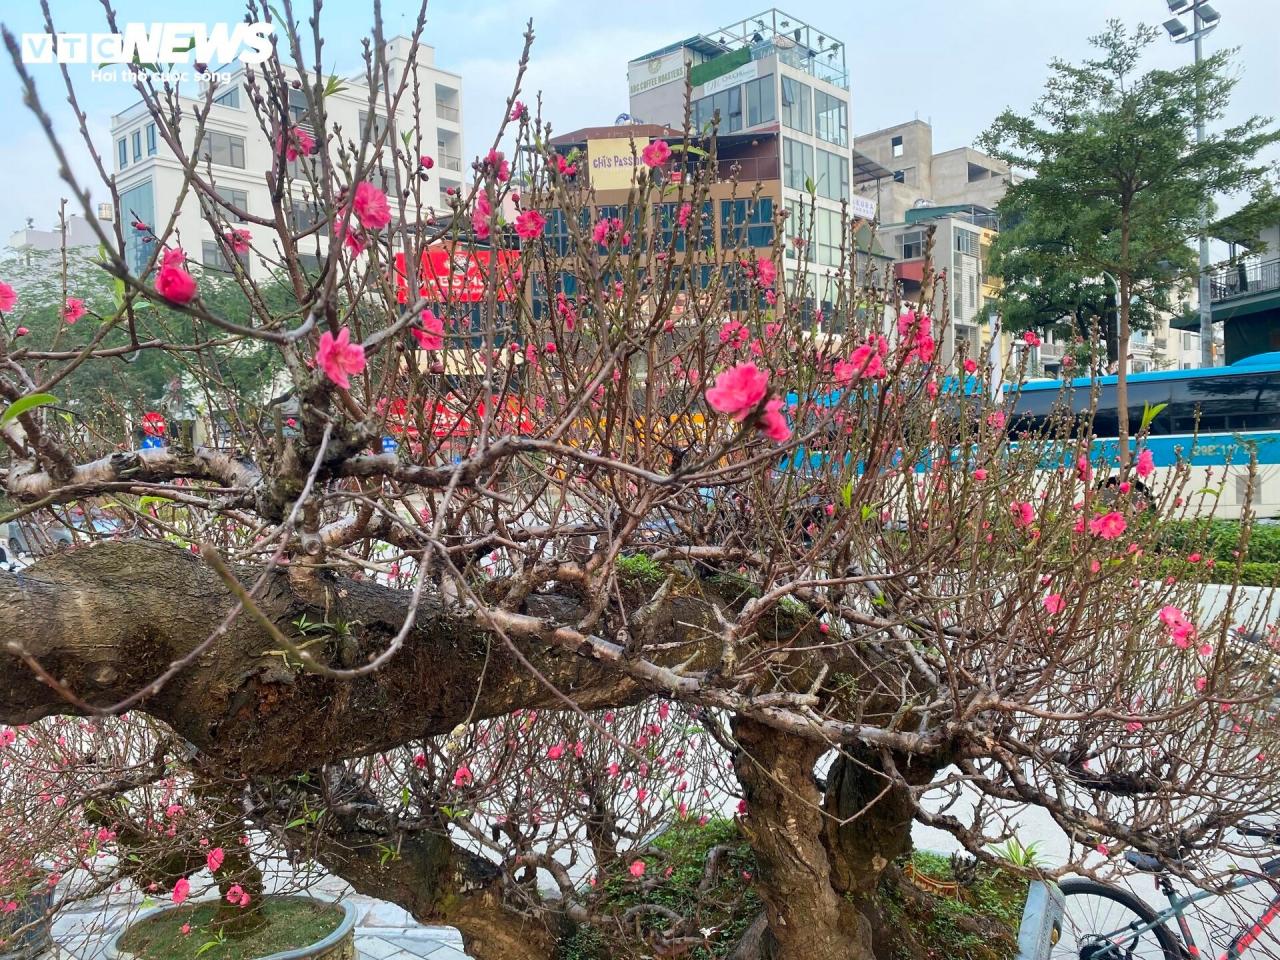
(673, 237)
(761, 107)
(967, 242)
(797, 163)
(298, 106)
(828, 237)
(911, 245)
(223, 148)
(743, 223)
(137, 145)
(122, 153)
(797, 225)
(137, 204)
(728, 103)
(797, 105)
(211, 256)
(238, 199)
(832, 180)
(304, 214)
(379, 123)
(151, 139)
(831, 118)
(231, 97)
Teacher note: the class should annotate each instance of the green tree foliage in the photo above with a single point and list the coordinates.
(109, 397)
(1118, 182)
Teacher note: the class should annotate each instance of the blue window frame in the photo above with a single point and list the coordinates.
(743, 222)
(137, 204)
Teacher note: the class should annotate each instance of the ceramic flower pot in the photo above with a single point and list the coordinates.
(338, 945)
(38, 937)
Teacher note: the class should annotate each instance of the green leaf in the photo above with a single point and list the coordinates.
(296, 822)
(866, 512)
(846, 497)
(690, 149)
(808, 186)
(23, 404)
(1149, 413)
(334, 85)
(152, 500)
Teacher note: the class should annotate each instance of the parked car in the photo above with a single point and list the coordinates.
(26, 537)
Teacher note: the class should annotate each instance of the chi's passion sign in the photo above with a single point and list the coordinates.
(613, 161)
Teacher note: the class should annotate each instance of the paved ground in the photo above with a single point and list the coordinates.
(383, 930)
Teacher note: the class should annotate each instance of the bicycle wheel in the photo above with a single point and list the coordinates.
(1092, 910)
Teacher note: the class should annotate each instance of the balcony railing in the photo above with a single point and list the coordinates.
(747, 169)
(1243, 279)
(447, 113)
(449, 161)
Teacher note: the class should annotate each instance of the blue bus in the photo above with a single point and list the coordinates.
(1214, 420)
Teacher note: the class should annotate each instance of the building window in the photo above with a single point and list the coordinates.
(1186, 341)
(797, 105)
(379, 124)
(833, 176)
(223, 148)
(895, 146)
(966, 242)
(829, 237)
(831, 118)
(728, 103)
(137, 205)
(673, 237)
(151, 139)
(745, 223)
(760, 102)
(214, 259)
(231, 97)
(304, 215)
(298, 106)
(236, 198)
(797, 163)
(137, 145)
(122, 153)
(911, 245)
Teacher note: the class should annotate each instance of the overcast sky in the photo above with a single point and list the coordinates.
(956, 64)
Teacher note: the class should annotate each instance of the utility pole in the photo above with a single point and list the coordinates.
(1203, 19)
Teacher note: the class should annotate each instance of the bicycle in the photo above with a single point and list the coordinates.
(1105, 922)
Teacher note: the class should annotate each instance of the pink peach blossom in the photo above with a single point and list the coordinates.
(739, 390)
(371, 207)
(338, 357)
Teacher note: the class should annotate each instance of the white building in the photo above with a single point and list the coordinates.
(79, 233)
(149, 177)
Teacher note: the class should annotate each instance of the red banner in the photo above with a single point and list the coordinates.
(458, 274)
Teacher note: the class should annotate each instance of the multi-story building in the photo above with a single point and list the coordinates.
(916, 176)
(962, 235)
(740, 212)
(780, 86)
(149, 176)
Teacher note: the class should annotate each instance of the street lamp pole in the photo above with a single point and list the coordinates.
(1203, 19)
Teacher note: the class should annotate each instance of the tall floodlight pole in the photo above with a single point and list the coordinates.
(1203, 20)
